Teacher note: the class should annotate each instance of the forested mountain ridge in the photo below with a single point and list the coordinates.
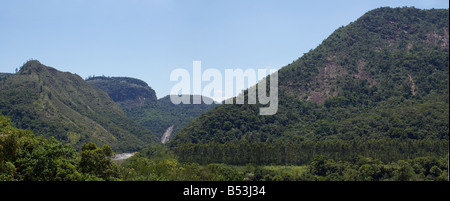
(64, 106)
(382, 80)
(390, 48)
(139, 102)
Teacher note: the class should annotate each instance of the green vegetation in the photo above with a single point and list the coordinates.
(64, 106)
(369, 169)
(161, 166)
(97, 161)
(376, 88)
(302, 153)
(25, 157)
(139, 102)
(161, 115)
(370, 103)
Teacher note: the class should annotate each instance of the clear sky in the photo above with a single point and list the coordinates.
(147, 39)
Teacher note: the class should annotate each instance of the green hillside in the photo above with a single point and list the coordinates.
(159, 116)
(377, 87)
(371, 103)
(139, 102)
(63, 105)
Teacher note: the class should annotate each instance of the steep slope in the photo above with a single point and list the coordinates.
(63, 105)
(381, 48)
(139, 102)
(382, 77)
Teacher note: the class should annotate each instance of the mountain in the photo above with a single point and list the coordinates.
(373, 86)
(128, 92)
(139, 102)
(63, 105)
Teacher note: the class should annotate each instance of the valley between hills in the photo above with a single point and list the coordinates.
(370, 103)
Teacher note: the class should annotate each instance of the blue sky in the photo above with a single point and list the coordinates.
(147, 39)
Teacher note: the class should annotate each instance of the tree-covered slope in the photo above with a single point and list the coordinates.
(139, 102)
(63, 105)
(382, 77)
(159, 116)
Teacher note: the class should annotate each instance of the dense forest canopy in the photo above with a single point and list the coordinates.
(26, 157)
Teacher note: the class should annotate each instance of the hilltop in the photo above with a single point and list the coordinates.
(139, 102)
(63, 105)
(128, 92)
(382, 81)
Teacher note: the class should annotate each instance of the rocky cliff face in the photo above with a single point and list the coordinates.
(139, 102)
(128, 92)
